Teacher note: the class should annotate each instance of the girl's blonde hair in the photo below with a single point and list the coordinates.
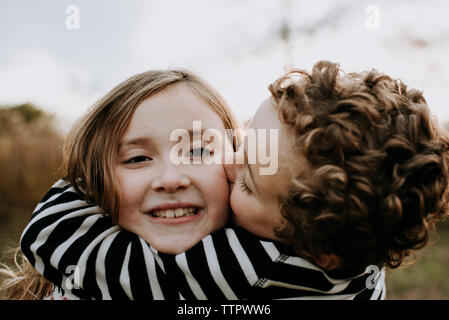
(90, 153)
(21, 281)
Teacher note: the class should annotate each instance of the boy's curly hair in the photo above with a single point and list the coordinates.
(379, 178)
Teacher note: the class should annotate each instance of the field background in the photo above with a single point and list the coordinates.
(30, 159)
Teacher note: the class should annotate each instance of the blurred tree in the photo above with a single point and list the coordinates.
(292, 24)
(28, 112)
(30, 161)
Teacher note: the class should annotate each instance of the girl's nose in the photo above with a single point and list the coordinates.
(170, 179)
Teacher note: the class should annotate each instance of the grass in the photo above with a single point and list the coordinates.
(428, 277)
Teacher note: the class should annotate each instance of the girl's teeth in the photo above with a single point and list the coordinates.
(170, 213)
(179, 212)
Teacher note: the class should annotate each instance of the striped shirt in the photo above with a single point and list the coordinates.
(81, 251)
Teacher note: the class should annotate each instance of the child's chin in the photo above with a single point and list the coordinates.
(173, 249)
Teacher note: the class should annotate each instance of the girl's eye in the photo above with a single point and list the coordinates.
(200, 152)
(243, 185)
(138, 159)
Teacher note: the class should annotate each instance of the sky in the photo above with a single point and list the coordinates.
(238, 46)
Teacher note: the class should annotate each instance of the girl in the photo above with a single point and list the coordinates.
(119, 156)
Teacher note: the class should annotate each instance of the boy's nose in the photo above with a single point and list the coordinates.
(170, 179)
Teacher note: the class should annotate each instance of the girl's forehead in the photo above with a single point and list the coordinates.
(175, 107)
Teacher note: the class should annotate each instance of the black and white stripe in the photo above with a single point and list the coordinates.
(231, 264)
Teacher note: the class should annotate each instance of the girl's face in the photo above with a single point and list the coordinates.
(170, 206)
(255, 198)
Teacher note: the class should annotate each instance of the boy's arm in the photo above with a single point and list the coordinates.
(78, 249)
(68, 240)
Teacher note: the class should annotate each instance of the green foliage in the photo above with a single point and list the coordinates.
(28, 112)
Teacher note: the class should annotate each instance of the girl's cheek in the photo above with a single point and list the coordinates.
(131, 188)
(213, 174)
(218, 182)
(238, 201)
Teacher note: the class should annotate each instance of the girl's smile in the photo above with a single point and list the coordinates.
(175, 213)
(169, 218)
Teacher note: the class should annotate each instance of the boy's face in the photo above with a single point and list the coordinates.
(255, 197)
(170, 206)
